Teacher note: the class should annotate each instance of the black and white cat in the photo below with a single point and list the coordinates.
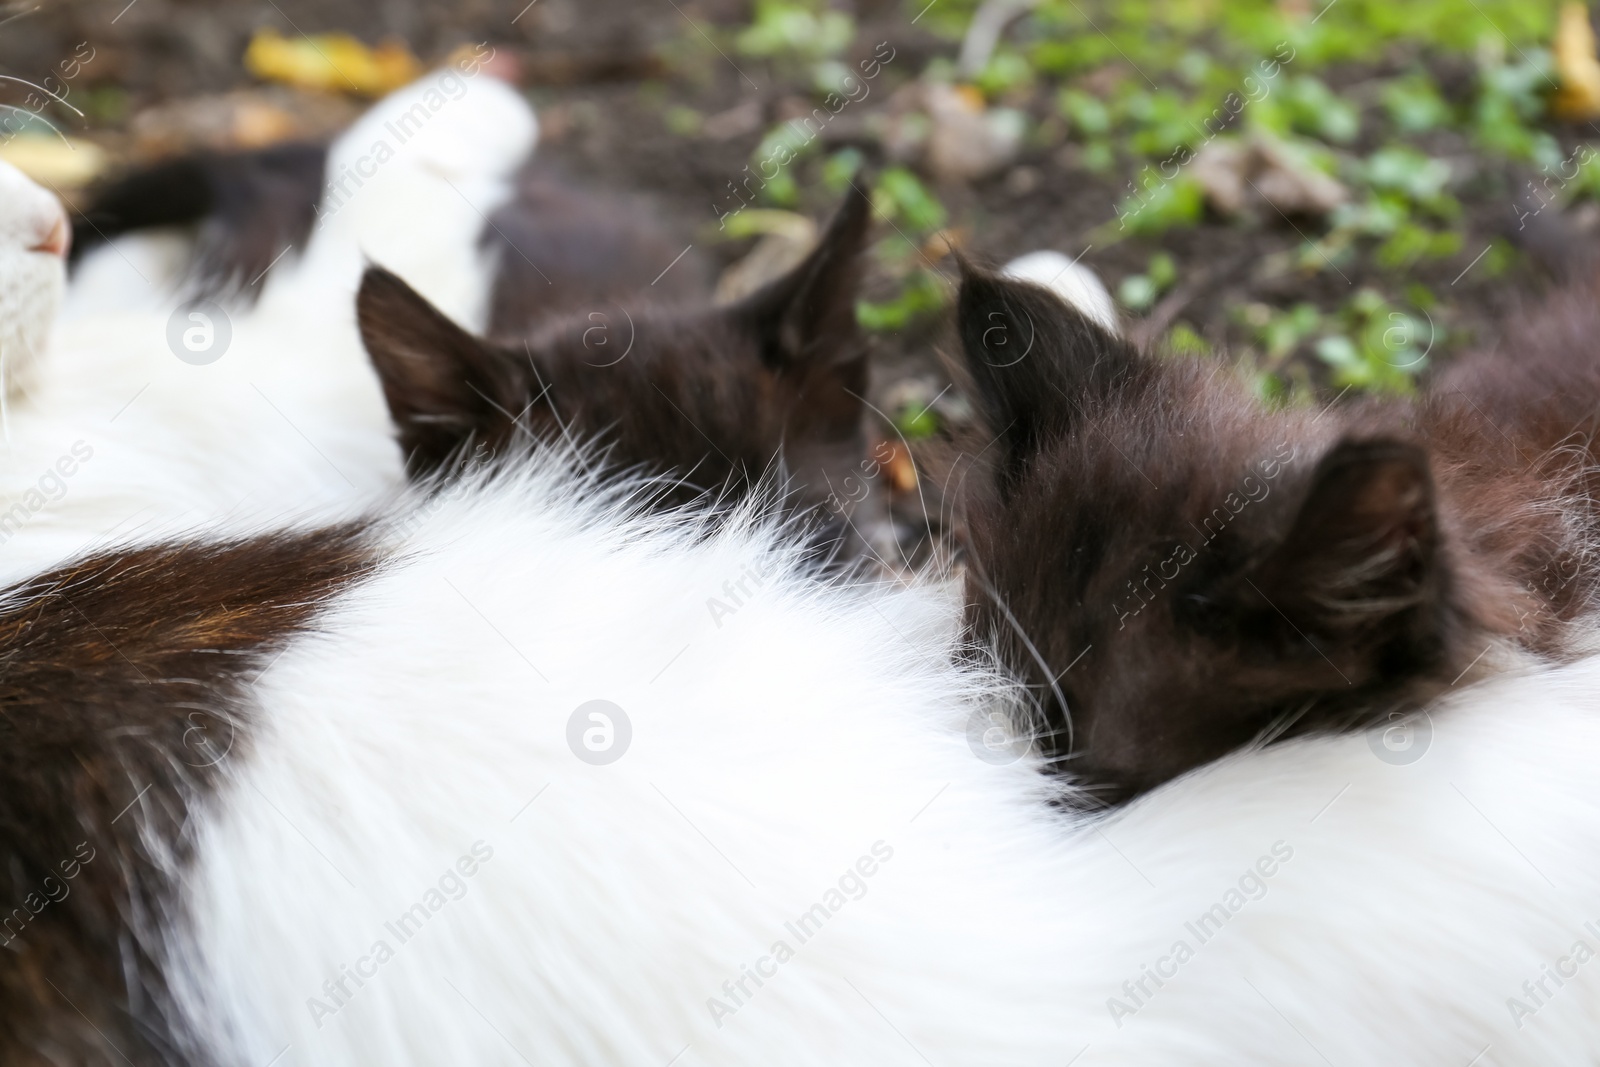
(492, 777)
(337, 790)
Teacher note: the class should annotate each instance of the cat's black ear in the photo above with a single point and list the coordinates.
(1360, 566)
(444, 386)
(1036, 362)
(808, 317)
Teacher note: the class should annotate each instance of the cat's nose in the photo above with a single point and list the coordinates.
(54, 232)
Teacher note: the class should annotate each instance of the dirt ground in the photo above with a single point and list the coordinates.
(604, 72)
(606, 75)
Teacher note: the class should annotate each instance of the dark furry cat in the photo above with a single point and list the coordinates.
(580, 304)
(716, 395)
(1179, 571)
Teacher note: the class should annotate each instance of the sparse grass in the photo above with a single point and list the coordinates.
(1420, 109)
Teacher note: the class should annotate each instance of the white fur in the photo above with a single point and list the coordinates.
(1070, 280)
(771, 752)
(290, 420)
(777, 747)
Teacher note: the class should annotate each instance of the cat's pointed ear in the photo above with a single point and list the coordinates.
(443, 386)
(808, 316)
(1361, 561)
(1036, 362)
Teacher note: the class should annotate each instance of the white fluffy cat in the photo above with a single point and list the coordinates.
(238, 414)
(796, 856)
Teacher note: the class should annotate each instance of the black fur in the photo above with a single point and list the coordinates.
(248, 206)
(1178, 571)
(714, 395)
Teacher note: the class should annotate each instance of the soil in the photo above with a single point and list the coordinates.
(605, 73)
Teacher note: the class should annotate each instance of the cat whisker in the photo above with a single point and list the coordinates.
(35, 85)
(1033, 651)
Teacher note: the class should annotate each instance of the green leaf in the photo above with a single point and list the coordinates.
(796, 29)
(922, 294)
(1183, 341)
(1137, 292)
(1163, 271)
(902, 196)
(1160, 207)
(1414, 104)
(916, 422)
(1089, 115)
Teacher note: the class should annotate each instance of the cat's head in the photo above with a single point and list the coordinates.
(717, 396)
(34, 235)
(1175, 570)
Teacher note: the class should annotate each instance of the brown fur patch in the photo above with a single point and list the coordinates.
(124, 688)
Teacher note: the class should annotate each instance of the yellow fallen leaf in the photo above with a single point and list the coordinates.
(900, 468)
(51, 161)
(971, 97)
(1579, 70)
(333, 62)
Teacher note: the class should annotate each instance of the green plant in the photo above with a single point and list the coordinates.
(1138, 292)
(1415, 106)
(1182, 340)
(916, 422)
(1158, 207)
(1510, 102)
(922, 293)
(796, 28)
(1378, 347)
(899, 196)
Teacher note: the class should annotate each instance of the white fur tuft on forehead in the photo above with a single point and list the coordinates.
(32, 271)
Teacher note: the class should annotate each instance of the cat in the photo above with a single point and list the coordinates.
(187, 711)
(716, 395)
(577, 276)
(278, 415)
(206, 735)
(1181, 571)
(522, 767)
(34, 237)
(245, 208)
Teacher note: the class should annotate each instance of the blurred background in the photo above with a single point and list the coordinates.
(1329, 197)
